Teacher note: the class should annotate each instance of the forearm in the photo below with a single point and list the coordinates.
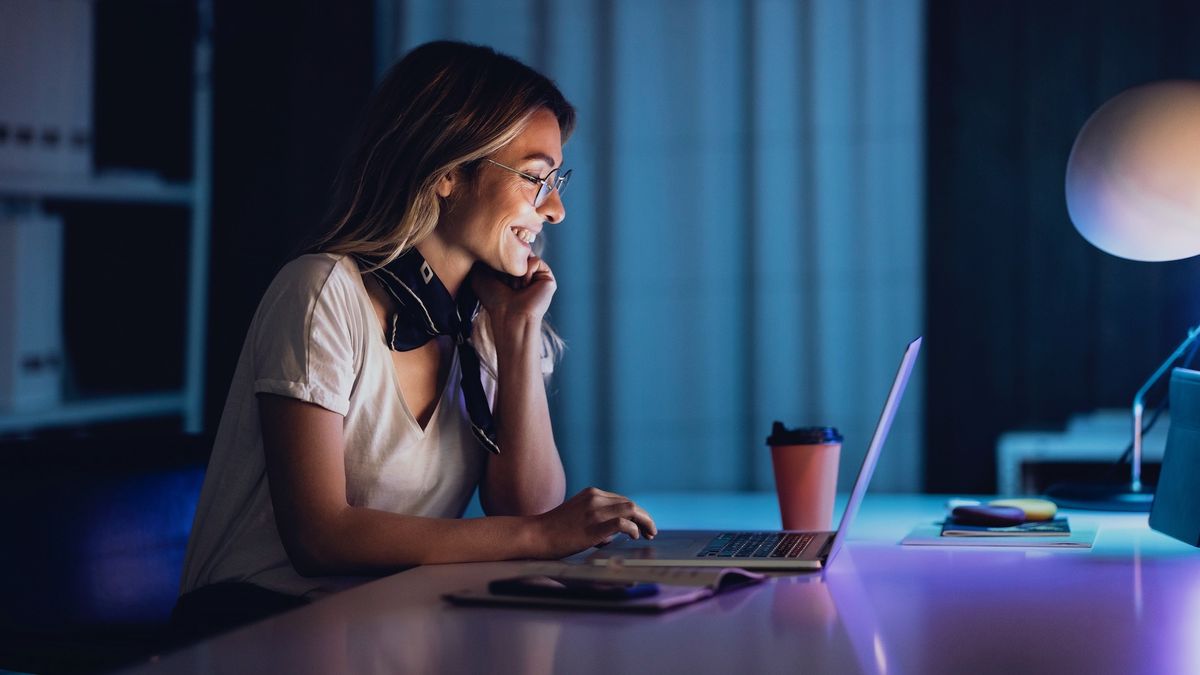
(527, 476)
(359, 540)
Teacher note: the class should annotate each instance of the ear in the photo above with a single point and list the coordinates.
(447, 183)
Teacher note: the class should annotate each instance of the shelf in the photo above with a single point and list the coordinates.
(96, 410)
(119, 188)
(150, 162)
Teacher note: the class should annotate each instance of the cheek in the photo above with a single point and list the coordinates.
(513, 210)
(496, 206)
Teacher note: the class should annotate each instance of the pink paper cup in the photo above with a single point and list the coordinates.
(805, 461)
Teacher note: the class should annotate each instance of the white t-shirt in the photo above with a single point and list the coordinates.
(315, 337)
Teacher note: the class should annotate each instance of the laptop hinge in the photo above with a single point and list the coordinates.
(827, 546)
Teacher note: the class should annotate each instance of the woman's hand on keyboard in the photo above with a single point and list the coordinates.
(591, 518)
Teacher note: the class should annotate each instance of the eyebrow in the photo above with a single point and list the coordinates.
(542, 156)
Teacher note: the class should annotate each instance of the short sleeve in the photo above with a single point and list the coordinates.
(306, 335)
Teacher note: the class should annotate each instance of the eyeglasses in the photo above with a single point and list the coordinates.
(553, 181)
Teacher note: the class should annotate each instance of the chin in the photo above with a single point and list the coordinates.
(517, 270)
(514, 264)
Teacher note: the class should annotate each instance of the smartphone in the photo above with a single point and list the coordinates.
(560, 587)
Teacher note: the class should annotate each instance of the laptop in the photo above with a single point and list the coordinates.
(779, 549)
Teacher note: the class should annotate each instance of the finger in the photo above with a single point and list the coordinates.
(595, 491)
(626, 508)
(535, 263)
(633, 512)
(629, 527)
(614, 526)
(623, 509)
(545, 275)
(644, 521)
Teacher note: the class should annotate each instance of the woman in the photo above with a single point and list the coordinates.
(367, 406)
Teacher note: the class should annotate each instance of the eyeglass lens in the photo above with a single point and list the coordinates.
(553, 181)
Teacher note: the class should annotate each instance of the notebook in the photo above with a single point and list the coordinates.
(1082, 535)
(782, 549)
(673, 587)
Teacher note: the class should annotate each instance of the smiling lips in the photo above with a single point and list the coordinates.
(527, 236)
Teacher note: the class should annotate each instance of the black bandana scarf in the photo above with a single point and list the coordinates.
(424, 310)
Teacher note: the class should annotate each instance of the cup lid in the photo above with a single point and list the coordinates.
(781, 435)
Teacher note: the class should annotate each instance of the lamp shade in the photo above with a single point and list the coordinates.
(1133, 179)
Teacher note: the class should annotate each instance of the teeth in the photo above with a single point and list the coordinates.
(524, 235)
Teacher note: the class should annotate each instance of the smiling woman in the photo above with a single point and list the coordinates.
(400, 365)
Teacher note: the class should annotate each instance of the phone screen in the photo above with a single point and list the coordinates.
(560, 587)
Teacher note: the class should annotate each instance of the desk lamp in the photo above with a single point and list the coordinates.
(1133, 191)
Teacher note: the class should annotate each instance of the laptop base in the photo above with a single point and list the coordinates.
(680, 548)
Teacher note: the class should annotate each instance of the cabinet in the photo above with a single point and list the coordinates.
(105, 134)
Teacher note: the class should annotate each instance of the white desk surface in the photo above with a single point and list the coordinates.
(1129, 605)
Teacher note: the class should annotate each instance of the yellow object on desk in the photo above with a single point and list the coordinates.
(1035, 509)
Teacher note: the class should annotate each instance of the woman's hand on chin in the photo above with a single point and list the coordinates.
(507, 298)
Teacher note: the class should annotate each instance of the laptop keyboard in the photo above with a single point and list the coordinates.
(756, 545)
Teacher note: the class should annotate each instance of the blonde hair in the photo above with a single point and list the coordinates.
(443, 107)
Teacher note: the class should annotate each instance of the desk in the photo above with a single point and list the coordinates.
(1129, 605)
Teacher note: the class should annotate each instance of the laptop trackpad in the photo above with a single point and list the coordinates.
(668, 545)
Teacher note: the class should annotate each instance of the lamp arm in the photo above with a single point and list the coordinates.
(1139, 406)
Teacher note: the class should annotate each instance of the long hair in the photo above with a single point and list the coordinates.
(444, 106)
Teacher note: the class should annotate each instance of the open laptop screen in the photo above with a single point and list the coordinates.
(872, 456)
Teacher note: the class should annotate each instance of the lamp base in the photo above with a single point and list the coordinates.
(1101, 497)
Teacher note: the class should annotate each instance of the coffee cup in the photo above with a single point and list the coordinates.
(805, 461)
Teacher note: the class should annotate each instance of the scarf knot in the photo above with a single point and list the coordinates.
(422, 310)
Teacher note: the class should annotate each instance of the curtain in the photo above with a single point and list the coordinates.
(1063, 329)
(743, 240)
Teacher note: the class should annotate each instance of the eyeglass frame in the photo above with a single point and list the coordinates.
(560, 182)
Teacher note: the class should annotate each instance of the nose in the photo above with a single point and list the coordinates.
(552, 210)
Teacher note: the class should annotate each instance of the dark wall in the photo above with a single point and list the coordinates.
(1027, 323)
(290, 82)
